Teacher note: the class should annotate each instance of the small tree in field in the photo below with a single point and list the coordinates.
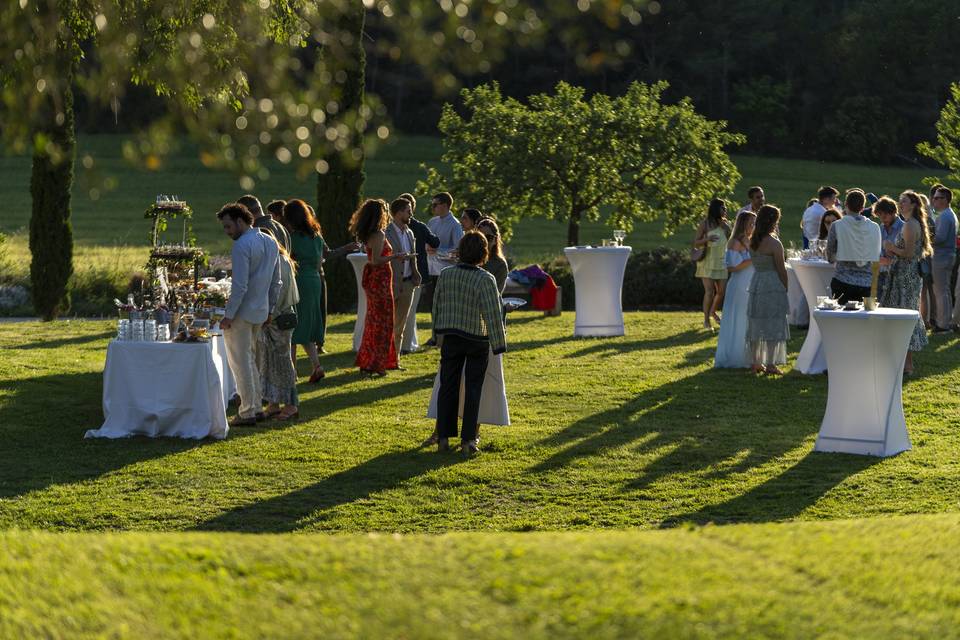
(565, 157)
(947, 149)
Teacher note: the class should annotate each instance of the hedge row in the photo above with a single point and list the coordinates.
(662, 277)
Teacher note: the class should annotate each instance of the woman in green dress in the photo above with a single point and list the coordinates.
(309, 251)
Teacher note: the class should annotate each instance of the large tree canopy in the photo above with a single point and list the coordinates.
(631, 158)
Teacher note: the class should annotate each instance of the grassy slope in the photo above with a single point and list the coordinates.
(116, 218)
(894, 577)
(636, 431)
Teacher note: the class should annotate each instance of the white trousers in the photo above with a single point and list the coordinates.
(241, 340)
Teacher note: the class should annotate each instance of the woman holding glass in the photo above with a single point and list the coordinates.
(712, 236)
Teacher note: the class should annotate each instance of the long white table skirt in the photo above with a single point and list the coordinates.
(159, 389)
(814, 277)
(799, 311)
(493, 399)
(865, 353)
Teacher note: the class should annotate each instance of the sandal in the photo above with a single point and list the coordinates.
(317, 375)
(283, 415)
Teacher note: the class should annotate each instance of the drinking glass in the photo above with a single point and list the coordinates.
(619, 235)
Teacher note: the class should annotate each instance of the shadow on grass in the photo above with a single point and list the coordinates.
(42, 422)
(607, 346)
(705, 428)
(300, 508)
(63, 342)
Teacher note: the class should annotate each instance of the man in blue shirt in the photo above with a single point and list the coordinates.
(890, 226)
(254, 291)
(448, 229)
(944, 252)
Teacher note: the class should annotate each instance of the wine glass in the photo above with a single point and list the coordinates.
(619, 235)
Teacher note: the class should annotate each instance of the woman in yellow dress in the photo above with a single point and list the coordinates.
(712, 236)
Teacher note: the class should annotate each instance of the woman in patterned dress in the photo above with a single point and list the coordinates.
(377, 351)
(903, 286)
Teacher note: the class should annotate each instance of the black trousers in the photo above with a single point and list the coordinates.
(843, 292)
(467, 357)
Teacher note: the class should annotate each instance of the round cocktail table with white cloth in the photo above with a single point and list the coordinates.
(162, 389)
(358, 260)
(493, 397)
(598, 276)
(865, 354)
(814, 277)
(799, 311)
(437, 263)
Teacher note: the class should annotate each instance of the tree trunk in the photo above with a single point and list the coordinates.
(51, 236)
(338, 190)
(573, 229)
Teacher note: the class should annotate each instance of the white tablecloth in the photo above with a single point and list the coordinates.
(814, 277)
(358, 260)
(493, 399)
(410, 340)
(229, 382)
(598, 274)
(799, 312)
(163, 389)
(865, 354)
(436, 264)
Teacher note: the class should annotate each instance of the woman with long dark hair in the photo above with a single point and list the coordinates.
(377, 351)
(496, 262)
(308, 252)
(829, 217)
(902, 290)
(768, 306)
(470, 218)
(712, 235)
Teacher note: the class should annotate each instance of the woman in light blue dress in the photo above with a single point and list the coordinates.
(732, 342)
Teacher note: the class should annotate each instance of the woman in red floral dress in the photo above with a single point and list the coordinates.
(377, 350)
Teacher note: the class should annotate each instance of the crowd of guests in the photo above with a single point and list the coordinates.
(744, 274)
(278, 300)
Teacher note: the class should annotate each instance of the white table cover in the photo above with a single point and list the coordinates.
(799, 312)
(598, 275)
(358, 260)
(162, 389)
(865, 353)
(436, 264)
(493, 399)
(814, 277)
(229, 382)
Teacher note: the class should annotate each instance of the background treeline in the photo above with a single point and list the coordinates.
(845, 80)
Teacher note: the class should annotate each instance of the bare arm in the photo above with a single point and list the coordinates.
(701, 238)
(737, 246)
(778, 263)
(375, 242)
(910, 229)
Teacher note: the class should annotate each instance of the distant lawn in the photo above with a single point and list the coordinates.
(881, 578)
(636, 431)
(116, 219)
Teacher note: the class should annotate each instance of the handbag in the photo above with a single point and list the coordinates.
(286, 320)
(697, 254)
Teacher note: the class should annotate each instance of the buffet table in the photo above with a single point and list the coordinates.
(229, 382)
(159, 389)
(814, 277)
(598, 276)
(358, 260)
(865, 351)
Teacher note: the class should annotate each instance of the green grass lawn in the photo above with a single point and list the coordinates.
(116, 218)
(582, 519)
(636, 431)
(888, 578)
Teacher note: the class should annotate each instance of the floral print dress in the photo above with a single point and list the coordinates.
(377, 351)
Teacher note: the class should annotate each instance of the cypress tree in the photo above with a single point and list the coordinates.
(340, 188)
(51, 236)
